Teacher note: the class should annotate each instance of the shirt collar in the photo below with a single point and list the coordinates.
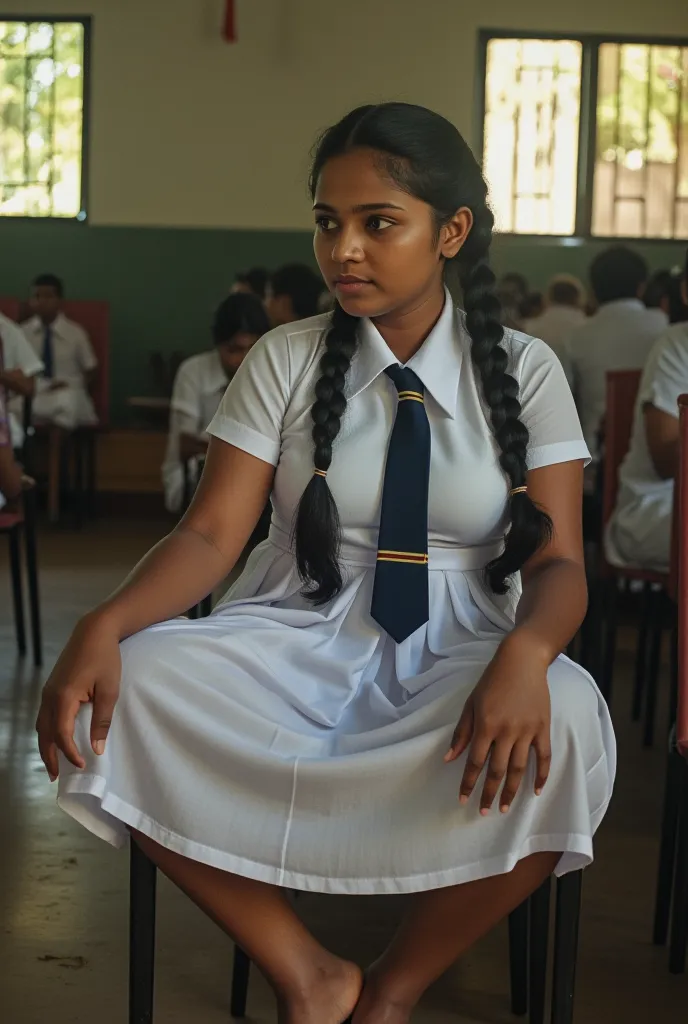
(56, 327)
(616, 304)
(437, 362)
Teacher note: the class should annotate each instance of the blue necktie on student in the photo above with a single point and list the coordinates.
(400, 591)
(48, 354)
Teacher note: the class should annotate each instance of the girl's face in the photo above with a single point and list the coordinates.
(376, 246)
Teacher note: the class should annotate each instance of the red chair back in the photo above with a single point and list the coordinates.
(10, 307)
(622, 392)
(682, 533)
(94, 317)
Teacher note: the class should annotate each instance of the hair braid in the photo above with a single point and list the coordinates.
(317, 529)
(530, 526)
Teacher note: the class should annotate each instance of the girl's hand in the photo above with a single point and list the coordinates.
(88, 669)
(507, 714)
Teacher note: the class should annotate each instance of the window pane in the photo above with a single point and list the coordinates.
(41, 118)
(641, 158)
(532, 113)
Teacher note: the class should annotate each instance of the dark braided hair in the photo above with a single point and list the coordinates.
(424, 155)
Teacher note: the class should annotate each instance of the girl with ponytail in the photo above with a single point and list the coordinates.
(422, 576)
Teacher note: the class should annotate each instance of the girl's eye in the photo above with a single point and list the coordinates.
(324, 223)
(377, 223)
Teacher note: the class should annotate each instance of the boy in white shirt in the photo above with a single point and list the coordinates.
(564, 311)
(640, 529)
(200, 384)
(618, 337)
(21, 365)
(62, 395)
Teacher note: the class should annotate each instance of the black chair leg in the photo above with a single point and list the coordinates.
(240, 975)
(32, 574)
(90, 449)
(667, 849)
(653, 665)
(142, 883)
(78, 497)
(679, 915)
(518, 958)
(539, 934)
(611, 593)
(17, 589)
(566, 946)
(641, 653)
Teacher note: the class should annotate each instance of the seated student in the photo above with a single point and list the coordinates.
(10, 471)
(62, 395)
(201, 382)
(253, 281)
(21, 365)
(512, 291)
(293, 293)
(564, 311)
(640, 529)
(618, 337)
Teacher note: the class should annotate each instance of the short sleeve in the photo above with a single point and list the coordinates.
(547, 406)
(84, 349)
(668, 379)
(252, 411)
(19, 353)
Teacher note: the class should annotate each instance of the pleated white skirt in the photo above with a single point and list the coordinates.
(300, 746)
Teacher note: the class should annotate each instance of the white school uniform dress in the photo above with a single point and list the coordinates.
(18, 355)
(73, 356)
(639, 532)
(298, 744)
(198, 388)
(618, 337)
(554, 326)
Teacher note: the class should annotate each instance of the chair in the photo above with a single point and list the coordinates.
(528, 949)
(622, 391)
(17, 526)
(671, 903)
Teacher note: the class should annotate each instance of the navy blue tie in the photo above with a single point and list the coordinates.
(48, 355)
(400, 591)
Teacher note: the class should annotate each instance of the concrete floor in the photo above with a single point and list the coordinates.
(63, 894)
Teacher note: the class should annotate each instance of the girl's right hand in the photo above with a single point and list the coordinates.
(89, 669)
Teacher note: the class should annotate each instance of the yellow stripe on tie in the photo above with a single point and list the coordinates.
(411, 396)
(410, 557)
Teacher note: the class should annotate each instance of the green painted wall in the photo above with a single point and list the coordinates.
(164, 283)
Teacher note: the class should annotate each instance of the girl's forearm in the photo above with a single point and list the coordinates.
(176, 574)
(551, 608)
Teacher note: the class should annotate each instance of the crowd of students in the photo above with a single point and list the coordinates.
(635, 322)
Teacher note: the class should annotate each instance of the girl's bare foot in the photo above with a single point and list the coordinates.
(329, 997)
(380, 1004)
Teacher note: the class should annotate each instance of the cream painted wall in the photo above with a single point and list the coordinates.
(189, 131)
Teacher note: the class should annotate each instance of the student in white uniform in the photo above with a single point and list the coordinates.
(10, 471)
(377, 706)
(618, 337)
(564, 311)
(21, 367)
(62, 395)
(293, 293)
(639, 532)
(200, 383)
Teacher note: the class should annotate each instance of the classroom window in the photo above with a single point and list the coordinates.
(42, 99)
(586, 136)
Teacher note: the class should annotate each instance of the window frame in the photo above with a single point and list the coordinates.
(86, 21)
(587, 128)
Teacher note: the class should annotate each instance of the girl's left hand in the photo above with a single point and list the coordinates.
(507, 714)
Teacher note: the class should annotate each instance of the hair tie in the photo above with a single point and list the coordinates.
(517, 490)
(320, 472)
